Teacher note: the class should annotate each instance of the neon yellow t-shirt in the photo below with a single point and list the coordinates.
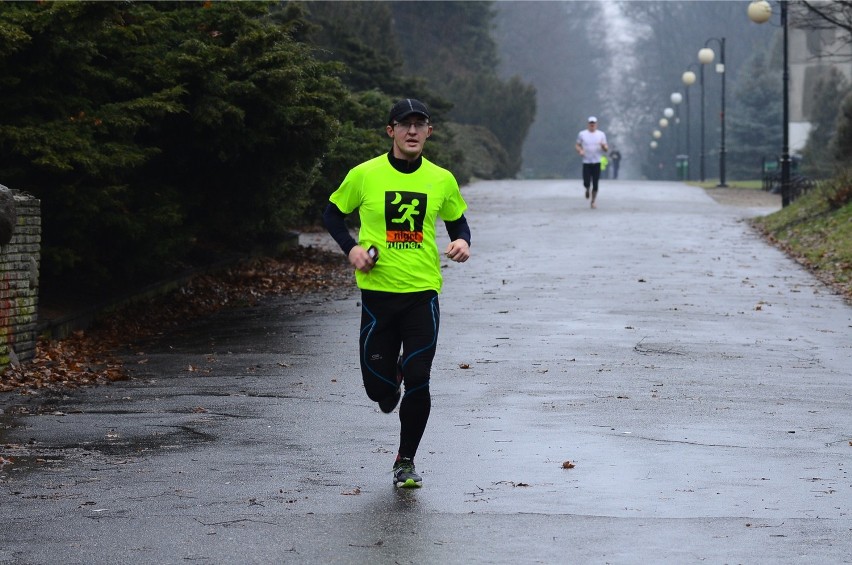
(398, 213)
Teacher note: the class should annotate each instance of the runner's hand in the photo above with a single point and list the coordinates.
(360, 259)
(458, 251)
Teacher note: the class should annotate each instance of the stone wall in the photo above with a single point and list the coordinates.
(19, 267)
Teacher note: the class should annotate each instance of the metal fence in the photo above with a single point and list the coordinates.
(799, 184)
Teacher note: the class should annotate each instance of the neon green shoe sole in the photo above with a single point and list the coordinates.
(404, 475)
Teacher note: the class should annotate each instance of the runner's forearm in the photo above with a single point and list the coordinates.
(335, 223)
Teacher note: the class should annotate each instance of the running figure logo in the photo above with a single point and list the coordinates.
(404, 213)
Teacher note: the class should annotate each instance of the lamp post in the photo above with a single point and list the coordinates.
(701, 154)
(706, 57)
(759, 11)
(668, 114)
(676, 99)
(688, 79)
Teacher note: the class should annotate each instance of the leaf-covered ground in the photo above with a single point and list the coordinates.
(89, 357)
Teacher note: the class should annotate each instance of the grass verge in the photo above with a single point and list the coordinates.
(816, 230)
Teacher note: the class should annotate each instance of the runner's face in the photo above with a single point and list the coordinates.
(409, 136)
(593, 126)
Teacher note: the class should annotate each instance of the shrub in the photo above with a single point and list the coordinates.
(837, 191)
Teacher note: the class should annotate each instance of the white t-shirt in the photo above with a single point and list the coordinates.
(591, 143)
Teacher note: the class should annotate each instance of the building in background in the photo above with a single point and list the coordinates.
(812, 54)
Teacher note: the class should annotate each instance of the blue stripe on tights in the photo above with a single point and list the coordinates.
(433, 305)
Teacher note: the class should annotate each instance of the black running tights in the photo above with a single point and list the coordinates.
(591, 175)
(390, 322)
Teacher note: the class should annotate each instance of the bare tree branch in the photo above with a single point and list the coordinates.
(825, 15)
(835, 16)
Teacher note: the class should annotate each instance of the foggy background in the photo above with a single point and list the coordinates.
(621, 61)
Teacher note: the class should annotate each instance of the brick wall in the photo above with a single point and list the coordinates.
(19, 266)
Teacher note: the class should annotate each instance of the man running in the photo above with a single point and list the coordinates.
(399, 196)
(591, 145)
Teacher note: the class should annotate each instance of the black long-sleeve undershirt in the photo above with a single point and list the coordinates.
(335, 223)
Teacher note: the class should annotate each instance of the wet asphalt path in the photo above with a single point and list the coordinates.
(698, 380)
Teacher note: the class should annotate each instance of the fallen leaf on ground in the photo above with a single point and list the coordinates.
(88, 358)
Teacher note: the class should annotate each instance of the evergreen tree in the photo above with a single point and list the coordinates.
(153, 130)
(445, 40)
(360, 36)
(75, 111)
(147, 129)
(842, 143)
(450, 45)
(817, 156)
(756, 118)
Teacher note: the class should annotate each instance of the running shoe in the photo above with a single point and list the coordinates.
(404, 475)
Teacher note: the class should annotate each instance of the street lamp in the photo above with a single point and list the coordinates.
(759, 11)
(688, 79)
(676, 99)
(701, 162)
(706, 57)
(668, 114)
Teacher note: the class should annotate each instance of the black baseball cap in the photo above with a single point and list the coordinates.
(405, 108)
